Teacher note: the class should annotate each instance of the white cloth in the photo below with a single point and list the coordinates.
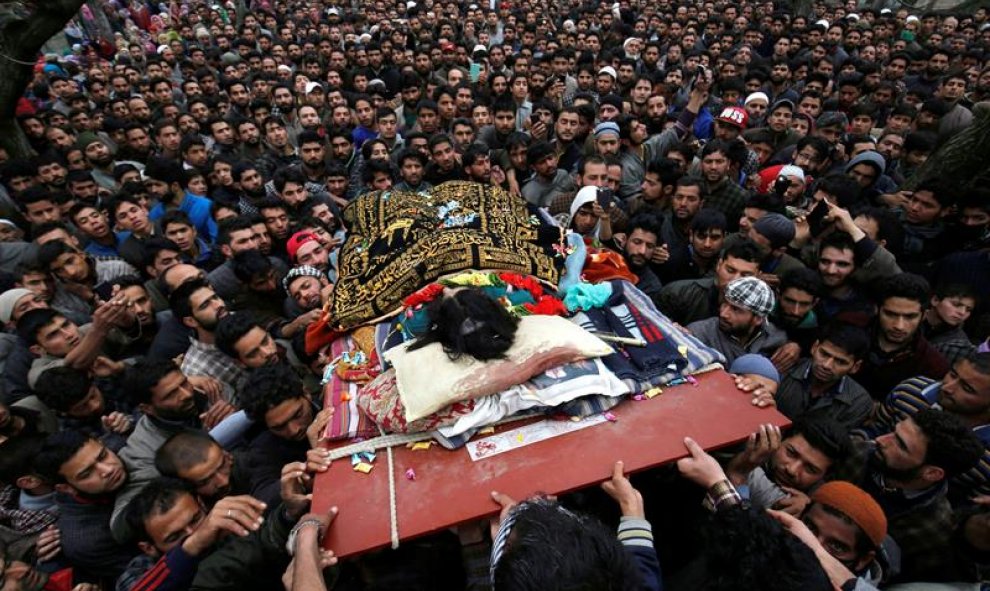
(553, 387)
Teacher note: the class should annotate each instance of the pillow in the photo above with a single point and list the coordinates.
(428, 380)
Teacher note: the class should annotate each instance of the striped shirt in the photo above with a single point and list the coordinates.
(920, 393)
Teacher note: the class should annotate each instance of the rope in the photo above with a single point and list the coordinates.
(393, 511)
(376, 443)
(17, 61)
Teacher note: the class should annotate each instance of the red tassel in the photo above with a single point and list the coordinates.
(547, 306)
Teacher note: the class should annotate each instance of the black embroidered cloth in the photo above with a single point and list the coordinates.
(398, 242)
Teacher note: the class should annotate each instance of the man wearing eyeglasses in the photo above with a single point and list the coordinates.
(197, 459)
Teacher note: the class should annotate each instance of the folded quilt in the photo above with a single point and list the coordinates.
(669, 353)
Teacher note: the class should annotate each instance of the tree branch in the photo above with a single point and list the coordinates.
(24, 30)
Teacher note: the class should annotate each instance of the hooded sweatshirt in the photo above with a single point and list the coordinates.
(584, 196)
(878, 163)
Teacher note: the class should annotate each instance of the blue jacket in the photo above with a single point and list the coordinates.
(100, 250)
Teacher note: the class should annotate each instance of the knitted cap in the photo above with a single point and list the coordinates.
(605, 128)
(751, 363)
(85, 139)
(608, 70)
(870, 157)
(757, 96)
(230, 59)
(611, 99)
(300, 271)
(857, 505)
(9, 299)
(751, 294)
(776, 228)
(783, 103)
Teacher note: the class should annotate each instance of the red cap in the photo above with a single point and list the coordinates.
(734, 116)
(296, 241)
(25, 107)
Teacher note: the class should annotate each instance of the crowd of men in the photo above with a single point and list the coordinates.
(175, 229)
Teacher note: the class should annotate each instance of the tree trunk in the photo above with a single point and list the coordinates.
(24, 28)
(964, 160)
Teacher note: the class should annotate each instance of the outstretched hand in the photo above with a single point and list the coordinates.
(761, 389)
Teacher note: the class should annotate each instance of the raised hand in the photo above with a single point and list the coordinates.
(622, 491)
(700, 467)
(49, 544)
(506, 503)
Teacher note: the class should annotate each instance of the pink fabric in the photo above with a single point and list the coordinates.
(348, 420)
(380, 401)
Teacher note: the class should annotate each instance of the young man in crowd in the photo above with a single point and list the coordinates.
(821, 383)
(168, 403)
(965, 394)
(779, 472)
(950, 308)
(86, 476)
(690, 300)
(898, 350)
(198, 307)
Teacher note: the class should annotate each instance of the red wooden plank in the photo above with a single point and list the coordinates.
(450, 488)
